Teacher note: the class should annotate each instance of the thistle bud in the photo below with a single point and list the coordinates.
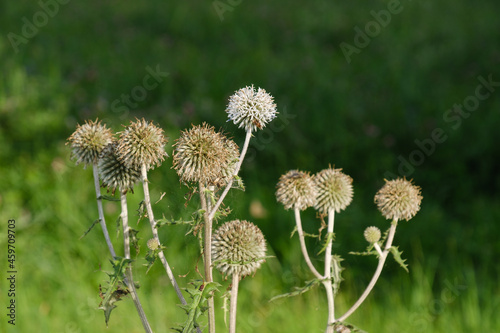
(334, 190)
(251, 109)
(115, 173)
(153, 244)
(372, 234)
(88, 141)
(296, 189)
(398, 199)
(238, 247)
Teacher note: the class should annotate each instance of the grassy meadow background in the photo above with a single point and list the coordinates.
(363, 116)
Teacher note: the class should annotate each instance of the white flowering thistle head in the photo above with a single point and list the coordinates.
(398, 199)
(114, 173)
(153, 244)
(334, 190)
(372, 234)
(238, 247)
(251, 109)
(203, 155)
(296, 189)
(142, 143)
(88, 141)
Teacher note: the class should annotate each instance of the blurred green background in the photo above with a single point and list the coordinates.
(65, 62)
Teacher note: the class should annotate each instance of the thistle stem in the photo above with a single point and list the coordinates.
(234, 303)
(207, 255)
(235, 173)
(128, 269)
(102, 221)
(328, 272)
(303, 245)
(376, 275)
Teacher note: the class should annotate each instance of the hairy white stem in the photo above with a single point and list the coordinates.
(303, 245)
(128, 269)
(328, 272)
(376, 275)
(102, 221)
(234, 303)
(235, 173)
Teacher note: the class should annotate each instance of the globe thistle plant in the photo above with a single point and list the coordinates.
(398, 199)
(251, 109)
(334, 190)
(296, 189)
(115, 173)
(142, 143)
(203, 155)
(238, 247)
(88, 141)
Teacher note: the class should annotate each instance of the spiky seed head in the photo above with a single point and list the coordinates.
(153, 244)
(398, 199)
(88, 141)
(334, 190)
(238, 247)
(251, 109)
(203, 155)
(296, 189)
(142, 143)
(372, 234)
(114, 173)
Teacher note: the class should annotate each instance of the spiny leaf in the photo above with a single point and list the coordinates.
(238, 183)
(298, 290)
(329, 237)
(164, 221)
(90, 228)
(134, 240)
(109, 198)
(397, 256)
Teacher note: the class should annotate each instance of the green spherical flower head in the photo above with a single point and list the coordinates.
(334, 190)
(296, 189)
(372, 234)
(398, 199)
(203, 155)
(153, 244)
(238, 247)
(142, 143)
(88, 141)
(251, 109)
(115, 173)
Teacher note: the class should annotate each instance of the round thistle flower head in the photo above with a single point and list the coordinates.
(398, 199)
(115, 173)
(251, 109)
(153, 244)
(88, 141)
(142, 143)
(238, 247)
(372, 234)
(296, 189)
(203, 155)
(334, 190)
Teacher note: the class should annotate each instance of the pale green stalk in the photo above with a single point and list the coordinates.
(102, 221)
(234, 302)
(328, 272)
(303, 245)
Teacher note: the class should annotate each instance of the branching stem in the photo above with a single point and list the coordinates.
(303, 245)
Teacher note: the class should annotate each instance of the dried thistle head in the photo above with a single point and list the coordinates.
(372, 234)
(398, 199)
(334, 190)
(238, 247)
(251, 109)
(203, 155)
(88, 141)
(115, 173)
(296, 189)
(142, 143)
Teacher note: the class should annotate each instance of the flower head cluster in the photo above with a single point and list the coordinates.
(296, 189)
(203, 155)
(398, 199)
(238, 247)
(88, 141)
(115, 173)
(334, 190)
(142, 143)
(251, 109)
(372, 234)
